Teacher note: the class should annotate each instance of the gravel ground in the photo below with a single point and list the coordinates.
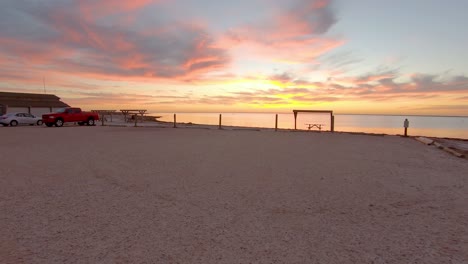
(162, 195)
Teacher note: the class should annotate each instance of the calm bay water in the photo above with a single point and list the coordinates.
(436, 126)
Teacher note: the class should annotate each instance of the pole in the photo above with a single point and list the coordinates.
(175, 121)
(136, 118)
(276, 123)
(332, 123)
(295, 120)
(219, 127)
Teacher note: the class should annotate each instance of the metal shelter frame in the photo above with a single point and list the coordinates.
(332, 117)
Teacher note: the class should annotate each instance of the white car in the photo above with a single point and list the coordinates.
(14, 119)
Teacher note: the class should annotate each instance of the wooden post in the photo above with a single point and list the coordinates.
(111, 116)
(295, 120)
(332, 123)
(102, 119)
(175, 121)
(136, 119)
(276, 123)
(219, 127)
(29, 109)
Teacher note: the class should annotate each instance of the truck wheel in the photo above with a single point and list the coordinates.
(58, 122)
(49, 124)
(91, 122)
(13, 123)
(39, 122)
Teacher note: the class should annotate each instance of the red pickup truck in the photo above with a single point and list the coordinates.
(70, 114)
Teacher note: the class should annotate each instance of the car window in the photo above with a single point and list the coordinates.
(28, 115)
(19, 115)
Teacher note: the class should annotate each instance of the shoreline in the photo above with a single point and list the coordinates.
(459, 145)
(455, 133)
(208, 126)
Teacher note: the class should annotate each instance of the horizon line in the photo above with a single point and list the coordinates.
(201, 112)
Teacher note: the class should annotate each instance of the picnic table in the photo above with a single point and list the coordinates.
(319, 126)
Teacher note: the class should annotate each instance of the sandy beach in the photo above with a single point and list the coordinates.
(163, 195)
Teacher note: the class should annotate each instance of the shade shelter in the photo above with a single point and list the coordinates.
(332, 117)
(133, 113)
(103, 113)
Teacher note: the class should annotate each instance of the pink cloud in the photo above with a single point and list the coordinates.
(293, 35)
(77, 43)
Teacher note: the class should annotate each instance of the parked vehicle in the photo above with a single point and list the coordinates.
(70, 114)
(14, 119)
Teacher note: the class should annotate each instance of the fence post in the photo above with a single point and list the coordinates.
(102, 119)
(175, 119)
(276, 123)
(219, 127)
(136, 119)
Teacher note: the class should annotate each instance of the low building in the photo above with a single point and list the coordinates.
(36, 104)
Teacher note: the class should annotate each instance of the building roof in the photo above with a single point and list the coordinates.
(29, 99)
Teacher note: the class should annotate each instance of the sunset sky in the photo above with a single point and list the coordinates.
(360, 56)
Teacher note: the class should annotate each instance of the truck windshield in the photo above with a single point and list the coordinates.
(61, 110)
